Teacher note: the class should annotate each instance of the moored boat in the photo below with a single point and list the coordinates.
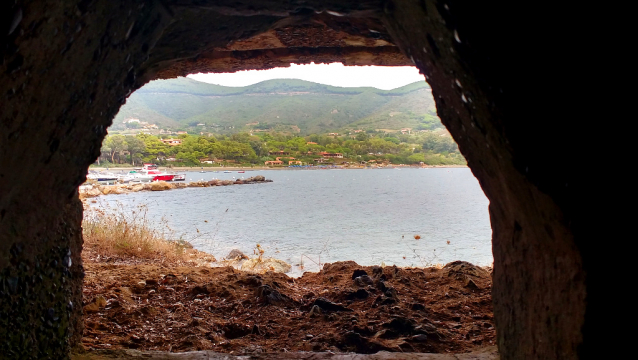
(101, 177)
(151, 169)
(135, 177)
(164, 177)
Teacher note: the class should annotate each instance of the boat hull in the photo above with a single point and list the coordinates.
(164, 177)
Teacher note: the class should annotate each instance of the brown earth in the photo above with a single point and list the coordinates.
(170, 308)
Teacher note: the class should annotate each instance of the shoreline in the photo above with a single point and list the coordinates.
(260, 168)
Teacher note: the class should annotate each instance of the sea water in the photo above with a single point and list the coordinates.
(311, 217)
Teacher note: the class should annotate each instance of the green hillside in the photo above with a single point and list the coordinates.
(282, 105)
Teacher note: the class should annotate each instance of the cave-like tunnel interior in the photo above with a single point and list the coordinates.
(67, 67)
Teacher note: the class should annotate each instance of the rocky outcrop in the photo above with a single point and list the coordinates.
(236, 254)
(159, 186)
(260, 266)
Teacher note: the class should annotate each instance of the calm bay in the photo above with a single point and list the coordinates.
(316, 216)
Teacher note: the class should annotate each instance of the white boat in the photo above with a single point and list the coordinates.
(136, 177)
(102, 177)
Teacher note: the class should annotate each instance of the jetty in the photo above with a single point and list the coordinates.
(89, 190)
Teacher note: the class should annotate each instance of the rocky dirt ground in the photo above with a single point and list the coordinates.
(343, 308)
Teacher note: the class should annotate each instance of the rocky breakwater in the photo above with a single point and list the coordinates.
(93, 190)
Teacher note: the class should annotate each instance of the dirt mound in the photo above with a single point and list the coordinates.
(462, 269)
(153, 307)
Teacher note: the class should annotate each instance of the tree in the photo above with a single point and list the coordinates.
(114, 145)
(154, 147)
(416, 158)
(134, 146)
(393, 140)
(259, 148)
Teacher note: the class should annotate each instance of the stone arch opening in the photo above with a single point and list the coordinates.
(67, 67)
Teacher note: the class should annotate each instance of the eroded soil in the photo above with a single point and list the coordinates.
(159, 307)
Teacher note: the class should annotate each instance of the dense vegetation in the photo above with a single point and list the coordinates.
(431, 147)
(289, 106)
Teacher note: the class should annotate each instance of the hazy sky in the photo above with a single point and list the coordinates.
(335, 74)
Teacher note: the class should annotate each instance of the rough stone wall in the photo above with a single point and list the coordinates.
(487, 71)
(67, 66)
(231, 36)
(41, 291)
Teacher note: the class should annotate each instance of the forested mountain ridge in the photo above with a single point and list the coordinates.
(283, 105)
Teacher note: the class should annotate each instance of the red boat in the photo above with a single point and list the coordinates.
(151, 169)
(164, 177)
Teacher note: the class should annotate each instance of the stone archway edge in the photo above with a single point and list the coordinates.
(489, 353)
(508, 84)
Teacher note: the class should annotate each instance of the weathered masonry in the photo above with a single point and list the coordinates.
(499, 74)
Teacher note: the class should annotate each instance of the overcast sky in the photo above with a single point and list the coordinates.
(335, 74)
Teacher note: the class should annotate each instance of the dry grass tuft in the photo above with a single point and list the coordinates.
(113, 233)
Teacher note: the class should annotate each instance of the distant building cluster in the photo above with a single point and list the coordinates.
(146, 128)
(325, 156)
(172, 142)
(143, 124)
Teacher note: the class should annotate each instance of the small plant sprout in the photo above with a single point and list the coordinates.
(259, 251)
(301, 266)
